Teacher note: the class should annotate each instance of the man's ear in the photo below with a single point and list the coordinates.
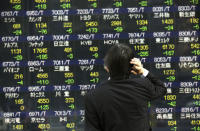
(106, 68)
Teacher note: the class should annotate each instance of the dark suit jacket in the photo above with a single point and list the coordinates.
(122, 104)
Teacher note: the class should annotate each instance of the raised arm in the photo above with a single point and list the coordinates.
(155, 86)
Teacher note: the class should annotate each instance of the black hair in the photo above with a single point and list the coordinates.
(117, 60)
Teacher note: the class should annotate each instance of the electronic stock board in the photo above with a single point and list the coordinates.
(51, 55)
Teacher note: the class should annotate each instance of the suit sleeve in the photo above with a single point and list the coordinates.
(91, 116)
(155, 87)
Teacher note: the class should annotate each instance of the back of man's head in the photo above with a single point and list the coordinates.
(117, 60)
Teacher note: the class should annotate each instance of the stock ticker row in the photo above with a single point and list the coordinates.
(51, 55)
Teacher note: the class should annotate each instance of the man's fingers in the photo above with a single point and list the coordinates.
(137, 68)
(134, 72)
(136, 62)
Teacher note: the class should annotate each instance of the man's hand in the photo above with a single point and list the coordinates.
(137, 68)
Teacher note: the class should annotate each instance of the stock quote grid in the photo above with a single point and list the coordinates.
(51, 55)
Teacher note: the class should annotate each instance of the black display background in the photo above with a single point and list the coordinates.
(82, 52)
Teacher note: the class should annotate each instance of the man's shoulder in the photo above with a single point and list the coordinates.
(136, 81)
(99, 89)
(105, 87)
(102, 87)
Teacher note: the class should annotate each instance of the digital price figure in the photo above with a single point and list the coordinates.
(51, 56)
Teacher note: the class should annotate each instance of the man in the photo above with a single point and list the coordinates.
(121, 103)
